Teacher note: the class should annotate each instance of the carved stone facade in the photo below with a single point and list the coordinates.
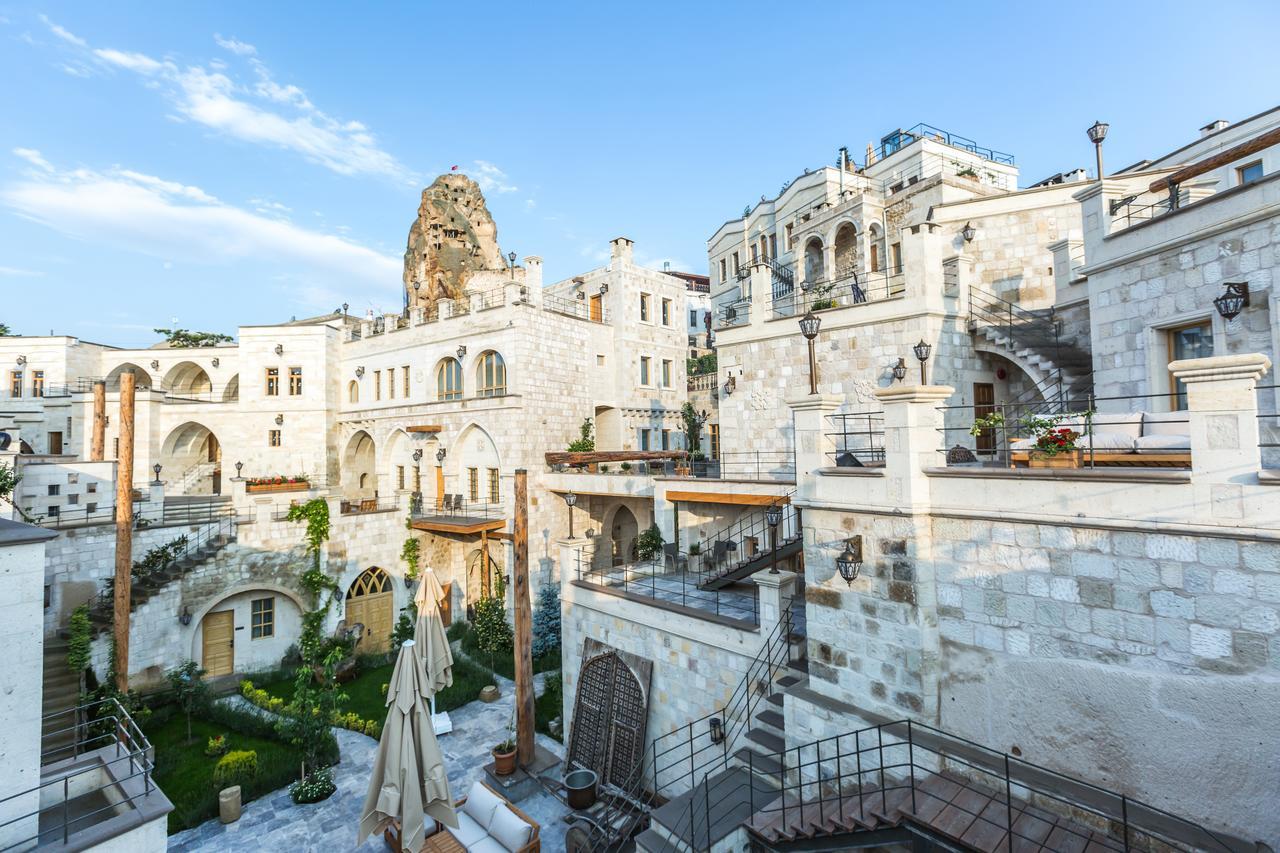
(453, 237)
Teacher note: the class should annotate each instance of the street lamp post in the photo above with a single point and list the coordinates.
(922, 351)
(570, 499)
(809, 325)
(1098, 132)
(772, 516)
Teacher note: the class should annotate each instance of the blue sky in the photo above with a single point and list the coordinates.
(241, 163)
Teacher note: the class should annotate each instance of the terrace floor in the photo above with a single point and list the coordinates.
(736, 602)
(274, 822)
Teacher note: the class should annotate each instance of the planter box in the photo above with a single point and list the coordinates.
(278, 487)
(1066, 459)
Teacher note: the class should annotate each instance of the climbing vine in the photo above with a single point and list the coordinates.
(411, 551)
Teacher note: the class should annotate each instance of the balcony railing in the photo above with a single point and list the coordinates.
(578, 308)
(737, 314)
(367, 505)
(900, 139)
(83, 795)
(858, 438)
(847, 288)
(655, 579)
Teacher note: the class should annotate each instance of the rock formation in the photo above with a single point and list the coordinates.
(453, 237)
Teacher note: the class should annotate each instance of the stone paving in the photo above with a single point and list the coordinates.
(274, 822)
(679, 588)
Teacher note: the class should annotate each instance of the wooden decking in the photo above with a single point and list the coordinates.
(946, 805)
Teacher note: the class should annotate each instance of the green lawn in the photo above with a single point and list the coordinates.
(505, 664)
(365, 696)
(185, 773)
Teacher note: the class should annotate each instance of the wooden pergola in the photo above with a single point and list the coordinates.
(590, 457)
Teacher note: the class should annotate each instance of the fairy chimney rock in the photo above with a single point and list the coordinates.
(453, 238)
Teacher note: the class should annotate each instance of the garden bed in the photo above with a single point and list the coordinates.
(185, 773)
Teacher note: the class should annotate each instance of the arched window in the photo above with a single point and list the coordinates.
(372, 581)
(491, 375)
(449, 380)
(353, 391)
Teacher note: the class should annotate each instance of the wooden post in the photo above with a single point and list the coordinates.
(524, 624)
(439, 487)
(124, 531)
(484, 564)
(98, 439)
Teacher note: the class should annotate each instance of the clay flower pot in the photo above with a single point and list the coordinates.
(504, 763)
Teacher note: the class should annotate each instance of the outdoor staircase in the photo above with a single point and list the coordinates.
(61, 691)
(1031, 338)
(191, 477)
(738, 564)
(203, 545)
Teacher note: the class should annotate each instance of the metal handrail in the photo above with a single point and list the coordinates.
(642, 579)
(864, 441)
(95, 725)
(750, 526)
(577, 308)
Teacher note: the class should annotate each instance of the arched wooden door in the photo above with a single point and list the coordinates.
(370, 602)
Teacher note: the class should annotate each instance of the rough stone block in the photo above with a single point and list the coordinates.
(1250, 649)
(1222, 553)
(1166, 547)
(1064, 589)
(1261, 619)
(1227, 582)
(1172, 605)
(1095, 593)
(1207, 642)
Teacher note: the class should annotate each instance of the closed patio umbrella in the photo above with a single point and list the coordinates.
(409, 782)
(431, 645)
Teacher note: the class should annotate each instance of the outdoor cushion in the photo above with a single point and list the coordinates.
(481, 803)
(468, 832)
(1023, 444)
(1166, 423)
(1117, 423)
(507, 828)
(1108, 442)
(486, 845)
(1164, 443)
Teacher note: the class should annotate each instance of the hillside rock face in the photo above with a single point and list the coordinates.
(453, 237)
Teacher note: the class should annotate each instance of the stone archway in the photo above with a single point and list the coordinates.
(191, 456)
(814, 270)
(360, 468)
(142, 379)
(846, 250)
(370, 601)
(188, 379)
(476, 568)
(623, 532)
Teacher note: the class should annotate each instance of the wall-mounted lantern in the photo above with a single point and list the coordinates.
(1233, 300)
(968, 232)
(156, 468)
(440, 454)
(360, 372)
(604, 288)
(155, 364)
(279, 420)
(417, 455)
(22, 359)
(279, 349)
(462, 352)
(849, 563)
(185, 616)
(900, 370)
(215, 361)
(717, 730)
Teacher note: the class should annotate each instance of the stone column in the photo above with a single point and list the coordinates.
(776, 592)
(912, 440)
(815, 447)
(575, 553)
(1222, 403)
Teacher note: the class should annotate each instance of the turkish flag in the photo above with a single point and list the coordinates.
(453, 169)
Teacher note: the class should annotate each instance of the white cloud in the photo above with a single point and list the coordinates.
(261, 112)
(63, 33)
(32, 156)
(14, 272)
(236, 46)
(530, 204)
(167, 219)
(491, 179)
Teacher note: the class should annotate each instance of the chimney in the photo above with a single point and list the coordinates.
(1213, 127)
(533, 272)
(620, 250)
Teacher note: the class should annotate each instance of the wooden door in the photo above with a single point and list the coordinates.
(446, 607)
(597, 309)
(218, 656)
(55, 443)
(370, 603)
(984, 403)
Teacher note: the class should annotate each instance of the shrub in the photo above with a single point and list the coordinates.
(373, 729)
(546, 622)
(236, 768)
(217, 746)
(79, 645)
(585, 443)
(493, 632)
(649, 543)
(317, 786)
(189, 689)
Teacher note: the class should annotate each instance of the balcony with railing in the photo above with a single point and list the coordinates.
(848, 287)
(451, 513)
(580, 309)
(95, 784)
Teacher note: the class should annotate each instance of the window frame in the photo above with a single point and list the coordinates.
(272, 376)
(494, 484)
(16, 384)
(1170, 336)
(473, 484)
(645, 312)
(377, 385)
(391, 383)
(37, 383)
(667, 368)
(275, 438)
(491, 374)
(1241, 180)
(353, 391)
(405, 372)
(449, 368)
(666, 312)
(646, 371)
(295, 381)
(262, 618)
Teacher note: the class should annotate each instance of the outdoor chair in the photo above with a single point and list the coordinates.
(858, 294)
(457, 504)
(672, 558)
(719, 551)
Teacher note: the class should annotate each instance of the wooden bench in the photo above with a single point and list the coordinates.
(1174, 459)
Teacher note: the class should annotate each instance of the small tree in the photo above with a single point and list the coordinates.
(189, 689)
(649, 543)
(9, 478)
(693, 421)
(546, 622)
(493, 632)
(585, 443)
(4, 330)
(187, 338)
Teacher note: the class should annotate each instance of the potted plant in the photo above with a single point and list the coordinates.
(504, 754)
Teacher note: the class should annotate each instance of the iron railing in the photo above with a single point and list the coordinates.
(737, 314)
(367, 505)
(674, 760)
(1013, 433)
(747, 539)
(848, 287)
(1125, 212)
(1022, 328)
(1269, 427)
(858, 439)
(60, 801)
(454, 506)
(577, 308)
(655, 580)
(899, 139)
(763, 465)
(849, 777)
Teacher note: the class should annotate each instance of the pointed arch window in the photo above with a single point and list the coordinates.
(449, 380)
(491, 375)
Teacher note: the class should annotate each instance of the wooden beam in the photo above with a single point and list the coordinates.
(98, 439)
(124, 531)
(484, 564)
(737, 499)
(502, 535)
(1222, 158)
(425, 428)
(564, 457)
(462, 526)
(524, 625)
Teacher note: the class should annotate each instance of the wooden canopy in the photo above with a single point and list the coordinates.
(565, 457)
(1218, 160)
(425, 428)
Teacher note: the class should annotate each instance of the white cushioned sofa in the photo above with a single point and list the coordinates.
(1163, 438)
(488, 823)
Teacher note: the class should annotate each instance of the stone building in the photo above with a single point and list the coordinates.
(430, 410)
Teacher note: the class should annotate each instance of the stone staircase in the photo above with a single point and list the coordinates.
(1057, 366)
(61, 692)
(742, 562)
(205, 544)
